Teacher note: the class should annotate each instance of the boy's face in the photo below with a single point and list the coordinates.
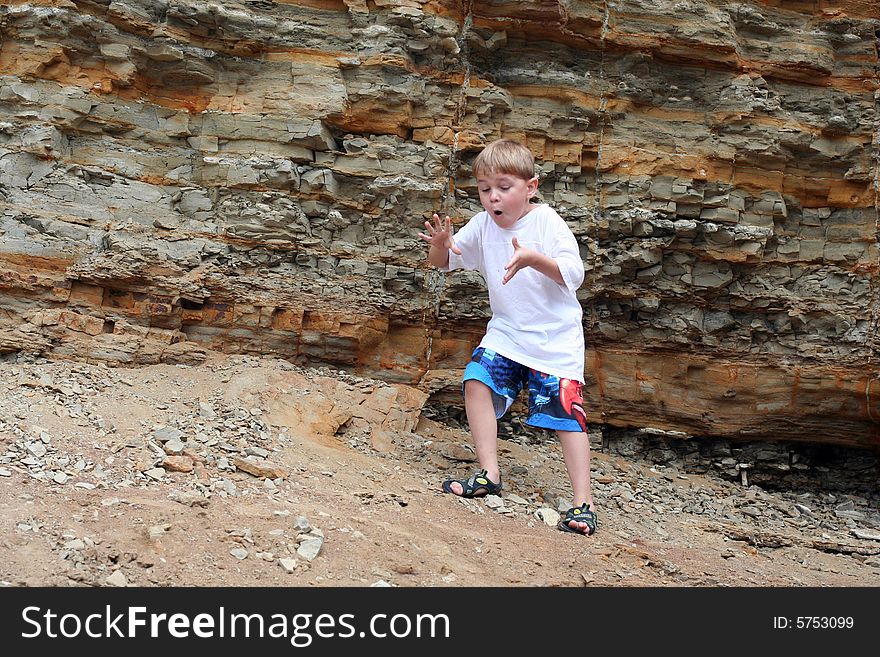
(505, 197)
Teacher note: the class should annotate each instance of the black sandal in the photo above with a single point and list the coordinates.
(478, 485)
(579, 514)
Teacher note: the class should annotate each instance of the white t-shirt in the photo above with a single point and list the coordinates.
(535, 321)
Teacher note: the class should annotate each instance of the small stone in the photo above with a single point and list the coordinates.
(188, 498)
(164, 434)
(310, 548)
(301, 524)
(157, 531)
(155, 473)
(117, 579)
(494, 501)
(174, 446)
(549, 516)
(37, 449)
(177, 464)
(166, 223)
(866, 534)
(852, 515)
(458, 453)
(289, 565)
(264, 470)
(239, 553)
(228, 487)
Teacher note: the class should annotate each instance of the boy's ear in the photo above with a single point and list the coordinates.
(532, 185)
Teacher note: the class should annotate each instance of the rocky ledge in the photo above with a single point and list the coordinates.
(249, 176)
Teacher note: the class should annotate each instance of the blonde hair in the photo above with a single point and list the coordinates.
(505, 156)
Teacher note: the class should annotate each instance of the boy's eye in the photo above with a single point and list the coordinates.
(483, 191)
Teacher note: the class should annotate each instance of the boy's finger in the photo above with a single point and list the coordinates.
(515, 243)
(455, 250)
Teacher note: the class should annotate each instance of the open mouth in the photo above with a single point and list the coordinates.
(498, 213)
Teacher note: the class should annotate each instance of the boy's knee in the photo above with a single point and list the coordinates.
(476, 387)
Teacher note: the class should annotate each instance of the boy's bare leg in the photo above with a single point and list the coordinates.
(484, 429)
(576, 452)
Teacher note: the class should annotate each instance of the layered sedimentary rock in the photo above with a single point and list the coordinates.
(250, 176)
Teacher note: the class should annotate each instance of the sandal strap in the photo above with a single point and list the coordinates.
(582, 514)
(480, 480)
(476, 482)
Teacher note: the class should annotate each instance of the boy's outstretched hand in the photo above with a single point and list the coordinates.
(440, 234)
(522, 257)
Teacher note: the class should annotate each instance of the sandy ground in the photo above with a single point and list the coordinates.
(85, 502)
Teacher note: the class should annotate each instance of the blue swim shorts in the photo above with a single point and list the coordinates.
(554, 403)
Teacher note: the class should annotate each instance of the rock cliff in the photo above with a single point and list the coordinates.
(250, 177)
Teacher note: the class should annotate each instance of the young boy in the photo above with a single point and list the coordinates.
(532, 267)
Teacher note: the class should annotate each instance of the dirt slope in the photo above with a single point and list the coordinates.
(348, 468)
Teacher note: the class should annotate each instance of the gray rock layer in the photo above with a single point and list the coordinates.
(250, 176)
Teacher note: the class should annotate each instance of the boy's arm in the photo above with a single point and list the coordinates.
(549, 267)
(563, 263)
(438, 256)
(523, 257)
